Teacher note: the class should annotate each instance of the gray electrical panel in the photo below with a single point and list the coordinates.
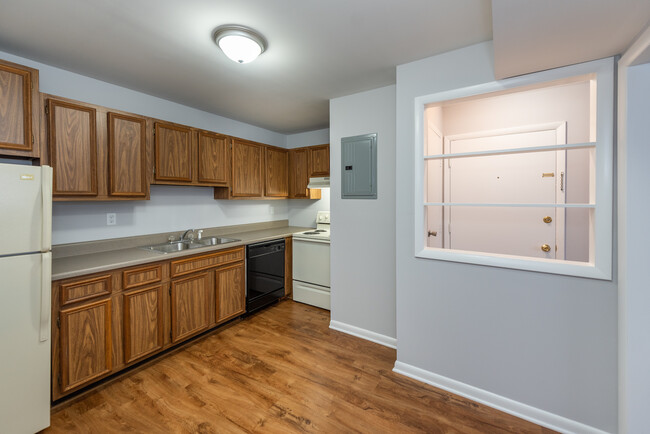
(359, 167)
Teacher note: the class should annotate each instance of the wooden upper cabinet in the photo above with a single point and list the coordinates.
(277, 172)
(127, 156)
(247, 164)
(19, 117)
(173, 153)
(213, 158)
(73, 148)
(319, 160)
(299, 173)
(143, 322)
(85, 344)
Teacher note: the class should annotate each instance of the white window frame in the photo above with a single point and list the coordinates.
(600, 264)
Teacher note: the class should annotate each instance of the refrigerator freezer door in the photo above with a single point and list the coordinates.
(21, 209)
(25, 360)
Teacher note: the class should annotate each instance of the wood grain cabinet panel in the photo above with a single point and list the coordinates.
(73, 148)
(19, 122)
(80, 290)
(190, 306)
(127, 156)
(173, 153)
(181, 267)
(247, 164)
(85, 344)
(299, 170)
(143, 322)
(277, 172)
(319, 160)
(141, 276)
(213, 158)
(231, 292)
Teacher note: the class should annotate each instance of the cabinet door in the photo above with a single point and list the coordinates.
(231, 292)
(173, 148)
(299, 174)
(143, 322)
(73, 148)
(127, 154)
(319, 160)
(190, 306)
(277, 172)
(247, 178)
(18, 110)
(85, 344)
(213, 158)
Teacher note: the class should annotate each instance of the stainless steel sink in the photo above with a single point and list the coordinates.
(179, 246)
(214, 241)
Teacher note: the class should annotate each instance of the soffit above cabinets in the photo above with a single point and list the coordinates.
(317, 50)
(532, 36)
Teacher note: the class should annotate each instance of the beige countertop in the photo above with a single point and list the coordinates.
(73, 260)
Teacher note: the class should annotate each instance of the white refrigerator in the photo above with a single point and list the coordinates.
(25, 293)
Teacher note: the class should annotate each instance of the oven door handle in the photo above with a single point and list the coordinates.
(311, 240)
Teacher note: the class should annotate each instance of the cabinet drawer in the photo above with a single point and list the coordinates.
(141, 276)
(196, 263)
(79, 290)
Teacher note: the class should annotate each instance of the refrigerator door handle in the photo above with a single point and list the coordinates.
(46, 195)
(46, 296)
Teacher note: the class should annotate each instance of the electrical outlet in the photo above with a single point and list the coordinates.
(111, 219)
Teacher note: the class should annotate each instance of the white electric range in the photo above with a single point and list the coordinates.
(311, 263)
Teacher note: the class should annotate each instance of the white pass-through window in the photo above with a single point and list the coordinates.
(518, 173)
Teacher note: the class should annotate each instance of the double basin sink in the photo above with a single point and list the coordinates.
(179, 246)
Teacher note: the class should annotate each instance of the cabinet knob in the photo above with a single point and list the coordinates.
(546, 248)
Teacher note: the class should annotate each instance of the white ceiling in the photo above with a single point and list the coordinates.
(532, 36)
(317, 49)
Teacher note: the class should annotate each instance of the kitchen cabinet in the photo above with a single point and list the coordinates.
(19, 111)
(127, 156)
(96, 153)
(299, 172)
(190, 306)
(247, 169)
(231, 293)
(173, 153)
(277, 172)
(319, 160)
(143, 322)
(213, 158)
(85, 344)
(105, 322)
(73, 148)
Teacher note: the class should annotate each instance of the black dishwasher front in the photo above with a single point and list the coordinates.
(264, 274)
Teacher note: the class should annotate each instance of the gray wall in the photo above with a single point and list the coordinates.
(170, 208)
(363, 231)
(634, 179)
(544, 340)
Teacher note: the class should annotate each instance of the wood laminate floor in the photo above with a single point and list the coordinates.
(280, 371)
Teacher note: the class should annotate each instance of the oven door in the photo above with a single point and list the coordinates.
(311, 261)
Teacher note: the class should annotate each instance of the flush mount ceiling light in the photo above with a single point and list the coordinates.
(239, 43)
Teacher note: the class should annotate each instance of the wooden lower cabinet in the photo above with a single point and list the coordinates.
(105, 322)
(190, 306)
(231, 292)
(85, 344)
(143, 322)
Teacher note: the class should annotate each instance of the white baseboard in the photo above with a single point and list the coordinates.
(518, 409)
(384, 340)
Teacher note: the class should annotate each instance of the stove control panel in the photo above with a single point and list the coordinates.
(323, 217)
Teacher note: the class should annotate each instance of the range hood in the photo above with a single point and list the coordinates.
(323, 182)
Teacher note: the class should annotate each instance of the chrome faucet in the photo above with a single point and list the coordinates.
(185, 233)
